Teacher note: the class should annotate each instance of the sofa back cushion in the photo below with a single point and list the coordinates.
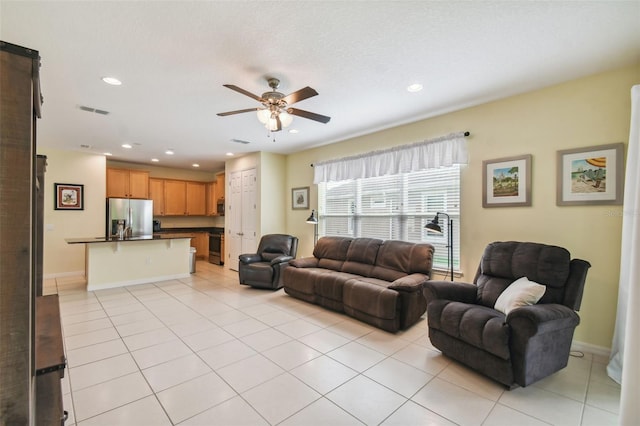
(361, 256)
(399, 258)
(504, 262)
(332, 252)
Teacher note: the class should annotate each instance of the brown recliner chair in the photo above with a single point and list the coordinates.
(264, 268)
(529, 342)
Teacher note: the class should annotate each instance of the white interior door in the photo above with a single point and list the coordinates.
(242, 213)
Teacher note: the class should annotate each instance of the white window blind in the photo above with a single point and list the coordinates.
(395, 207)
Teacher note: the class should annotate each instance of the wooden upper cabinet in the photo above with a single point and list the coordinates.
(220, 185)
(175, 197)
(212, 205)
(196, 198)
(123, 183)
(156, 194)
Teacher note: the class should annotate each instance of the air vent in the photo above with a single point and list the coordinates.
(97, 111)
(240, 141)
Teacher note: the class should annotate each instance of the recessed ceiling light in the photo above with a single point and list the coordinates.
(195, 165)
(169, 152)
(415, 87)
(229, 154)
(108, 154)
(155, 160)
(126, 145)
(112, 81)
(293, 131)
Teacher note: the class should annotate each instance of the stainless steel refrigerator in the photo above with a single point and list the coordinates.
(134, 214)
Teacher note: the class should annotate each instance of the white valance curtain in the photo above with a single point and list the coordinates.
(429, 154)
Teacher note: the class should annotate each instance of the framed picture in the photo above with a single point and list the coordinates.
(590, 176)
(68, 196)
(300, 198)
(506, 182)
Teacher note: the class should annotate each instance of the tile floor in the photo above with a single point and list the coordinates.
(206, 351)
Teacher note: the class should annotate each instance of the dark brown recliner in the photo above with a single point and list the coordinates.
(264, 268)
(530, 342)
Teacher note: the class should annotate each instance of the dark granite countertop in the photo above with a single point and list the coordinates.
(215, 230)
(92, 240)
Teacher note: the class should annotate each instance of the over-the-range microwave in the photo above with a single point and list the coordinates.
(220, 206)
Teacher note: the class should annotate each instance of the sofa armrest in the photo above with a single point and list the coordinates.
(413, 282)
(305, 262)
(281, 259)
(250, 258)
(450, 290)
(543, 318)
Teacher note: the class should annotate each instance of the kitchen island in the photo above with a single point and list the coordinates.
(114, 263)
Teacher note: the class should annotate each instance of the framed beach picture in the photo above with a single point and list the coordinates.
(68, 196)
(300, 198)
(590, 176)
(506, 182)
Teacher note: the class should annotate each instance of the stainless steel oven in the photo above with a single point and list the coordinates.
(216, 248)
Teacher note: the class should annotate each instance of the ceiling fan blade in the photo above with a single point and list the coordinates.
(240, 111)
(309, 115)
(300, 95)
(244, 92)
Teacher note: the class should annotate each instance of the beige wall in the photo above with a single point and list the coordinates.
(581, 113)
(61, 258)
(272, 191)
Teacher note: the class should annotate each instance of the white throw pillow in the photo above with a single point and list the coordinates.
(521, 292)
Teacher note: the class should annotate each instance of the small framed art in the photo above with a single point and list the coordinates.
(506, 182)
(590, 176)
(300, 198)
(68, 196)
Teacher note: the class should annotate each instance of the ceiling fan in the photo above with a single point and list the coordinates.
(275, 112)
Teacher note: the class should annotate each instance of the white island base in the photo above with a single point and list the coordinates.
(111, 264)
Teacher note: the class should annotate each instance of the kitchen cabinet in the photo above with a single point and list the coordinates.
(215, 191)
(201, 243)
(184, 198)
(156, 194)
(124, 183)
(196, 198)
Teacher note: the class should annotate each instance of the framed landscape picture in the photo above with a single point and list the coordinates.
(590, 176)
(68, 196)
(506, 182)
(300, 198)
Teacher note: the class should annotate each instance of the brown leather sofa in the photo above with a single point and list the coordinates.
(375, 281)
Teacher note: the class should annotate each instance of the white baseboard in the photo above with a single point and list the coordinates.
(63, 274)
(592, 349)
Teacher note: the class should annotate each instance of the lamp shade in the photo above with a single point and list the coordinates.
(312, 219)
(434, 226)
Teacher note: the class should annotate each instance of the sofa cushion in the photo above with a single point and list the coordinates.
(399, 258)
(504, 262)
(477, 325)
(371, 298)
(329, 285)
(361, 256)
(332, 252)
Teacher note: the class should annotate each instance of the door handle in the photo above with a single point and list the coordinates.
(240, 233)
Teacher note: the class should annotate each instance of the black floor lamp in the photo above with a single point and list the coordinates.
(313, 219)
(434, 226)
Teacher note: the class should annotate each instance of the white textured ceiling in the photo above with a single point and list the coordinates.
(174, 56)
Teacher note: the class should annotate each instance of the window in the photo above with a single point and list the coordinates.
(395, 207)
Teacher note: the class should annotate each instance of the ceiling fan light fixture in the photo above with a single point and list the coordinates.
(264, 115)
(286, 119)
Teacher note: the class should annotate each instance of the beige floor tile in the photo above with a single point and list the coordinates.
(249, 372)
(234, 411)
(398, 376)
(545, 405)
(146, 411)
(323, 374)
(291, 354)
(356, 356)
(413, 414)
(366, 400)
(174, 372)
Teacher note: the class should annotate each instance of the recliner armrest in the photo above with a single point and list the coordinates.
(305, 262)
(250, 258)
(409, 283)
(281, 259)
(450, 290)
(538, 319)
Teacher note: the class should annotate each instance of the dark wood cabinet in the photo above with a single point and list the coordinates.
(27, 386)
